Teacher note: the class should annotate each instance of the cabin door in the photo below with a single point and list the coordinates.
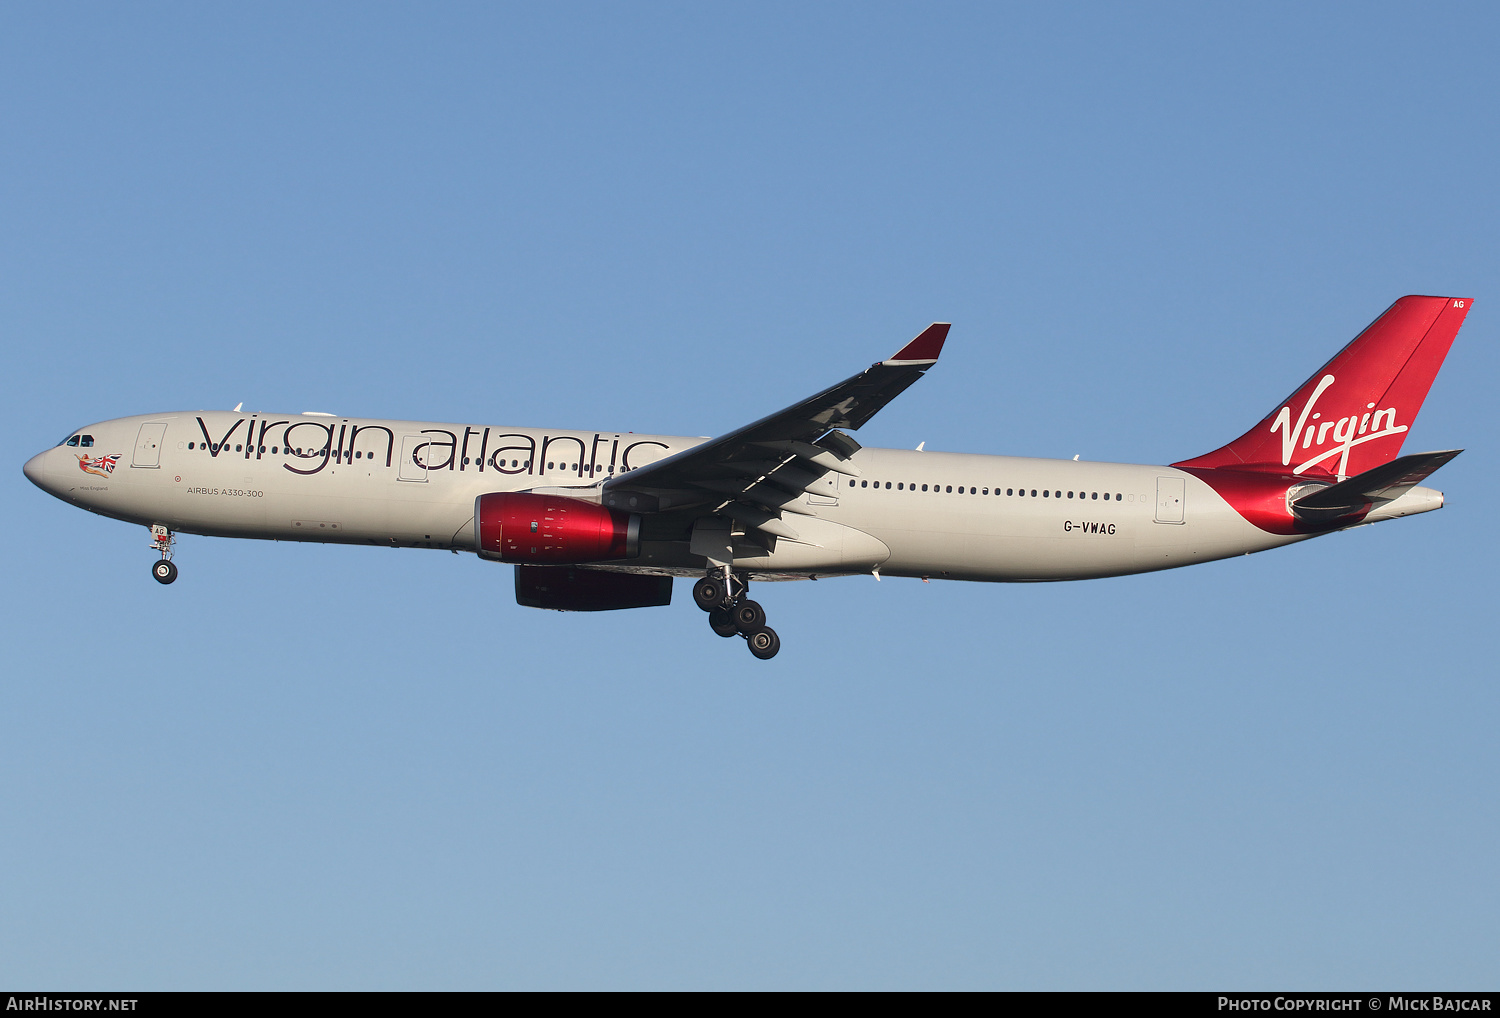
(1171, 493)
(416, 451)
(148, 446)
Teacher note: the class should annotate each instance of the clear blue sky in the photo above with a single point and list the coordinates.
(326, 767)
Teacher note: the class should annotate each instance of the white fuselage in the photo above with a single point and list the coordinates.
(301, 477)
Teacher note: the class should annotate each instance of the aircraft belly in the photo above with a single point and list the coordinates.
(825, 546)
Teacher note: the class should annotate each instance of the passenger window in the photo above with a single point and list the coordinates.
(888, 485)
(853, 483)
(1045, 492)
(1070, 494)
(1095, 496)
(1033, 493)
(1010, 491)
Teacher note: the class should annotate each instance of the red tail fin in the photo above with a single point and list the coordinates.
(1353, 414)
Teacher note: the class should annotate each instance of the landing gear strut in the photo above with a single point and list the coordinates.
(730, 613)
(161, 543)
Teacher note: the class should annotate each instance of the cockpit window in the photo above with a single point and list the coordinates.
(72, 441)
(86, 441)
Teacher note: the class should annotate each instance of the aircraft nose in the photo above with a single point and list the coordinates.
(36, 470)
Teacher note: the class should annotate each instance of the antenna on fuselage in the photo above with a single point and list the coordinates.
(237, 407)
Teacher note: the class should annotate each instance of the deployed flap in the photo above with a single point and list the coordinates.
(1380, 484)
(790, 448)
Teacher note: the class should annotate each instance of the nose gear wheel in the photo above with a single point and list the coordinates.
(162, 540)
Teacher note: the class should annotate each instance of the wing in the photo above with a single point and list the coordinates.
(753, 474)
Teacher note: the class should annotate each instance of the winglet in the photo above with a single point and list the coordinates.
(924, 349)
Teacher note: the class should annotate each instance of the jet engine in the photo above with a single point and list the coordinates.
(552, 529)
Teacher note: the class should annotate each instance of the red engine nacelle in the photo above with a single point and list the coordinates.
(552, 529)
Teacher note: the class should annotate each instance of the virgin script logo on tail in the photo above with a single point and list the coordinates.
(1347, 432)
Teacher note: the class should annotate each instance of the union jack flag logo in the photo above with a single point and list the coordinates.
(101, 465)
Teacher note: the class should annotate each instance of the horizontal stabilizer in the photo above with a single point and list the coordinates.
(1379, 484)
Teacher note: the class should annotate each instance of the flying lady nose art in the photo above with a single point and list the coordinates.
(103, 466)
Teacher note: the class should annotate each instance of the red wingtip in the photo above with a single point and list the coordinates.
(925, 347)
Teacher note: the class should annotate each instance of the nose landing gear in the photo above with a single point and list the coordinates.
(161, 543)
(730, 613)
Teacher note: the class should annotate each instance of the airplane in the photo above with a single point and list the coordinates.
(599, 521)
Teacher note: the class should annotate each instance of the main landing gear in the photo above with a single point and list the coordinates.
(161, 543)
(730, 613)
